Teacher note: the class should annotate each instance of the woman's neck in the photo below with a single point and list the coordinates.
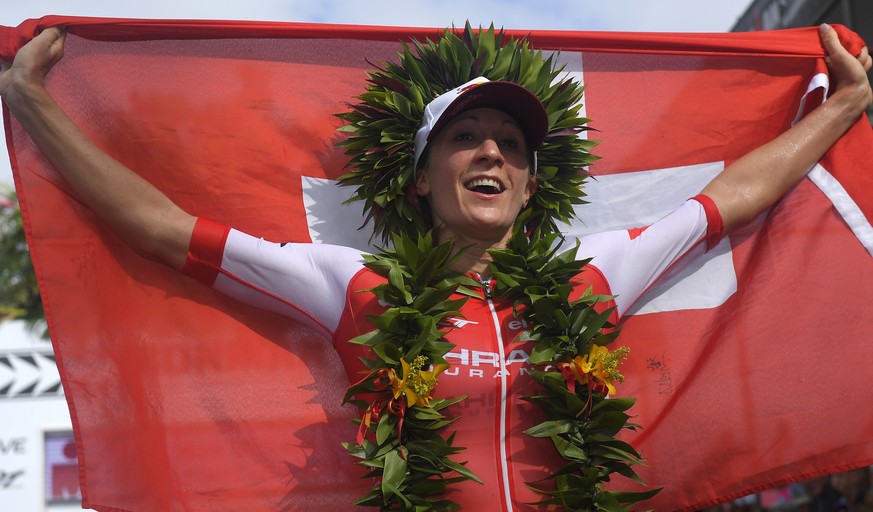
(472, 254)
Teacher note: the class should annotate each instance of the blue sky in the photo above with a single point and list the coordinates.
(633, 15)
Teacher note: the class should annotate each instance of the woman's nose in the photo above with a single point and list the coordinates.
(489, 150)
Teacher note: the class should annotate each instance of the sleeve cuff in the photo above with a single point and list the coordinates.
(206, 251)
(714, 223)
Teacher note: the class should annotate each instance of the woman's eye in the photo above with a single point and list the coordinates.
(464, 136)
(509, 143)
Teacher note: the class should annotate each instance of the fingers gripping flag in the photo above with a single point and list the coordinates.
(751, 365)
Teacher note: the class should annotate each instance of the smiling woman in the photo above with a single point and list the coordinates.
(476, 180)
(475, 159)
(483, 304)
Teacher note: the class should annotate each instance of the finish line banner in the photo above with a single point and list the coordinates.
(751, 366)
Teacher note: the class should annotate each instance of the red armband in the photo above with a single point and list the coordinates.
(206, 250)
(714, 222)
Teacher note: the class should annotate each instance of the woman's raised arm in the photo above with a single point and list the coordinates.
(756, 181)
(135, 210)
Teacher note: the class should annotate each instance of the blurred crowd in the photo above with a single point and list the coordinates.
(841, 492)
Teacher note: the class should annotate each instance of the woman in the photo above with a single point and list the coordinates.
(476, 176)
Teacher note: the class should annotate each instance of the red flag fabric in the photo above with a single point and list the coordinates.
(751, 365)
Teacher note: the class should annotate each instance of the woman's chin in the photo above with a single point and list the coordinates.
(481, 231)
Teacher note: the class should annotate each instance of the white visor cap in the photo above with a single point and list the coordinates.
(519, 103)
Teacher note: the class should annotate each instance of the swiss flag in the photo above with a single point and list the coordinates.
(751, 365)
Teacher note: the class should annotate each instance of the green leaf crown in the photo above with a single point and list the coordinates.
(381, 127)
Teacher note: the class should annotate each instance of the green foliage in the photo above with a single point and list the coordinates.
(381, 128)
(400, 441)
(580, 421)
(19, 293)
(403, 446)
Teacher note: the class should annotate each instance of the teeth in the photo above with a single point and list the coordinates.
(485, 182)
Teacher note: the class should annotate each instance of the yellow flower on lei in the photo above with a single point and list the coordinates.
(599, 365)
(416, 383)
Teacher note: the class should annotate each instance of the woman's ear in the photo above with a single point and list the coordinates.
(422, 187)
(529, 190)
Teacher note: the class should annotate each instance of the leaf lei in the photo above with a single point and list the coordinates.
(398, 436)
(575, 369)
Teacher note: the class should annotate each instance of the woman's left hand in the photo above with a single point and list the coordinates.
(849, 73)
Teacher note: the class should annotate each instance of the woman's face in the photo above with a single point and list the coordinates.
(477, 177)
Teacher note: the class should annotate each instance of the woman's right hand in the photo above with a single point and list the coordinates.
(31, 64)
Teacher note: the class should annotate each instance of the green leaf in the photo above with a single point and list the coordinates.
(635, 497)
(388, 353)
(364, 339)
(550, 428)
(447, 402)
(568, 449)
(386, 428)
(394, 473)
(463, 470)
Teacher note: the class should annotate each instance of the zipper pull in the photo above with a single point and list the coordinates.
(486, 285)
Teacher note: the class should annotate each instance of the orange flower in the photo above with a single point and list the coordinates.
(416, 384)
(599, 367)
